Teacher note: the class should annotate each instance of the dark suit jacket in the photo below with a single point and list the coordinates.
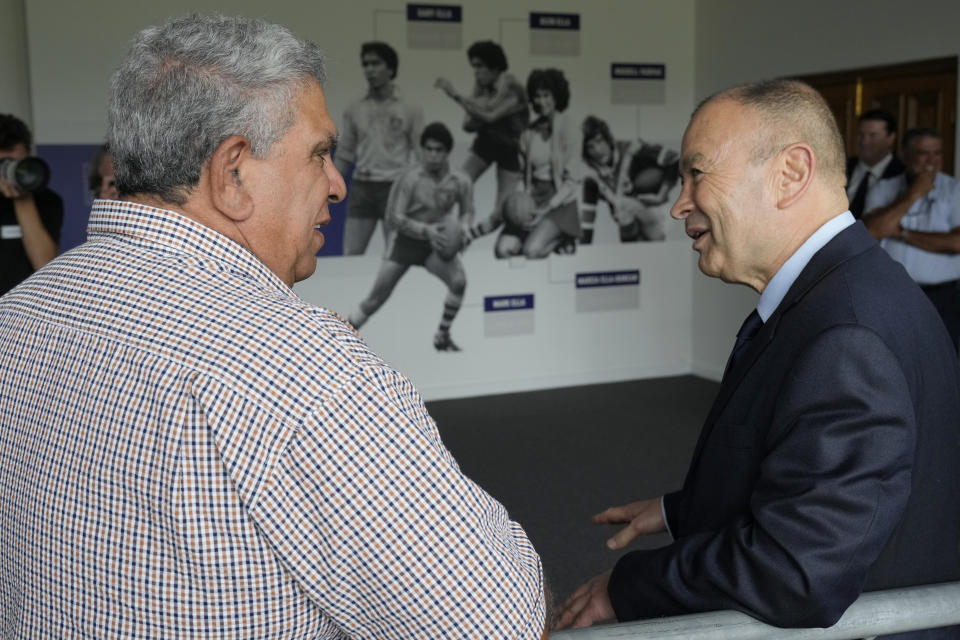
(829, 463)
(894, 168)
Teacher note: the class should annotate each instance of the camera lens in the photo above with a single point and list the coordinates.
(27, 174)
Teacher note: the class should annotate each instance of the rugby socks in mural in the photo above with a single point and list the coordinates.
(478, 229)
(442, 341)
(587, 217)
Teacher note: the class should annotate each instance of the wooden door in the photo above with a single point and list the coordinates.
(919, 94)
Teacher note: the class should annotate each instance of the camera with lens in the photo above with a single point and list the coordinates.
(27, 174)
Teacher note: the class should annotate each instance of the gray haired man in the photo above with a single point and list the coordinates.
(189, 449)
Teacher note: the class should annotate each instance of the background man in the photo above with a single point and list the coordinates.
(191, 450)
(427, 231)
(379, 138)
(827, 464)
(30, 222)
(876, 140)
(101, 181)
(916, 217)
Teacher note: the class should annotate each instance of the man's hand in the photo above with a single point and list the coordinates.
(465, 237)
(37, 242)
(446, 86)
(645, 517)
(588, 604)
(436, 236)
(886, 225)
(10, 190)
(884, 222)
(922, 184)
(536, 215)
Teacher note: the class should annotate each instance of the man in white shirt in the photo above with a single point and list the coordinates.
(876, 137)
(916, 217)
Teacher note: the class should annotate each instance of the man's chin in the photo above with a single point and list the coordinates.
(708, 269)
(305, 270)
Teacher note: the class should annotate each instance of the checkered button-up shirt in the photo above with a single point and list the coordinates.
(189, 450)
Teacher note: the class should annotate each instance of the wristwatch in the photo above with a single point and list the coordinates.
(904, 233)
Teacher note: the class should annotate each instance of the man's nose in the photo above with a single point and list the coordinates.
(683, 206)
(338, 188)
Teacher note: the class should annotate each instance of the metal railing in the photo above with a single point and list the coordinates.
(873, 614)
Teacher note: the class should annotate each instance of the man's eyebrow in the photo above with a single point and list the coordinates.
(687, 162)
(327, 145)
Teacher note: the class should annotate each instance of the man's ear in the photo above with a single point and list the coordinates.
(796, 166)
(228, 168)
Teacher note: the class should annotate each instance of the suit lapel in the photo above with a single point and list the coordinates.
(894, 168)
(845, 245)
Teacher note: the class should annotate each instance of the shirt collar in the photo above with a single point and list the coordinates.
(396, 94)
(878, 169)
(178, 234)
(781, 282)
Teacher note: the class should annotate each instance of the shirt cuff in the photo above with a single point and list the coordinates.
(666, 523)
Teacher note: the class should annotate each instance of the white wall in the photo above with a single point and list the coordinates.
(707, 45)
(72, 56)
(746, 40)
(14, 66)
(567, 348)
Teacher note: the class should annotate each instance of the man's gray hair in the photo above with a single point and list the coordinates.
(186, 86)
(792, 111)
(916, 133)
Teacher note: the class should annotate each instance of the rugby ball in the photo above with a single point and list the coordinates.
(451, 239)
(518, 209)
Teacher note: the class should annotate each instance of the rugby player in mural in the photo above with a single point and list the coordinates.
(427, 212)
(632, 177)
(548, 152)
(378, 137)
(496, 110)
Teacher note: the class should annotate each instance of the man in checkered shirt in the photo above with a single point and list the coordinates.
(189, 450)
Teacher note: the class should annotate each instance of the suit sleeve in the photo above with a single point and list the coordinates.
(833, 482)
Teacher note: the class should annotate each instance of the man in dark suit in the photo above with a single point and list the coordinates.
(828, 464)
(876, 140)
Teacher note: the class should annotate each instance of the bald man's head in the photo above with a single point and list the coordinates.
(791, 111)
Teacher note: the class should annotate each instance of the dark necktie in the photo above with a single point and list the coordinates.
(748, 329)
(860, 197)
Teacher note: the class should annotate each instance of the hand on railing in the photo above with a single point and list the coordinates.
(588, 604)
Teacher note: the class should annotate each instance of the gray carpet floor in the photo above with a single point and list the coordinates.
(556, 457)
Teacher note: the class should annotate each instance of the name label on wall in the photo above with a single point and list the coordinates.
(508, 315)
(569, 21)
(638, 83)
(434, 26)
(554, 34)
(608, 279)
(607, 290)
(435, 12)
(11, 232)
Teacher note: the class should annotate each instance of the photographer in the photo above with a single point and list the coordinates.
(30, 221)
